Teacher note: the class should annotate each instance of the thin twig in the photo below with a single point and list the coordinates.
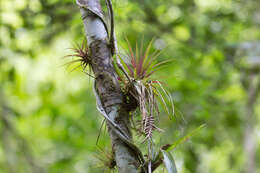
(112, 28)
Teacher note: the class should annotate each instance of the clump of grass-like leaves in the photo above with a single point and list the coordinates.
(139, 66)
(106, 160)
(82, 57)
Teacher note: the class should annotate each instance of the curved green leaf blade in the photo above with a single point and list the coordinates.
(169, 162)
(185, 138)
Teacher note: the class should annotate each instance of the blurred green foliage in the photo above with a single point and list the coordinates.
(49, 121)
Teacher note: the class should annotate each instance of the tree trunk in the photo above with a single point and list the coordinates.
(249, 137)
(108, 93)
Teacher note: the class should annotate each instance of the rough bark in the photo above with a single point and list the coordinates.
(108, 93)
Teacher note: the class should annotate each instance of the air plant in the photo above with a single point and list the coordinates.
(139, 66)
(106, 159)
(82, 55)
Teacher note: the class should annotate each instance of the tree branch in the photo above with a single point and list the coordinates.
(109, 96)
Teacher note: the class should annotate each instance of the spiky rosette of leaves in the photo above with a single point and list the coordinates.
(82, 56)
(139, 65)
(106, 159)
(142, 63)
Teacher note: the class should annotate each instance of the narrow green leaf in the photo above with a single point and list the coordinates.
(118, 71)
(124, 65)
(149, 62)
(168, 96)
(185, 138)
(137, 60)
(162, 63)
(130, 49)
(169, 162)
(161, 98)
(147, 51)
(152, 58)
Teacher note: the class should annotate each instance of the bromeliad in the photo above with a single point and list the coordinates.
(137, 84)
